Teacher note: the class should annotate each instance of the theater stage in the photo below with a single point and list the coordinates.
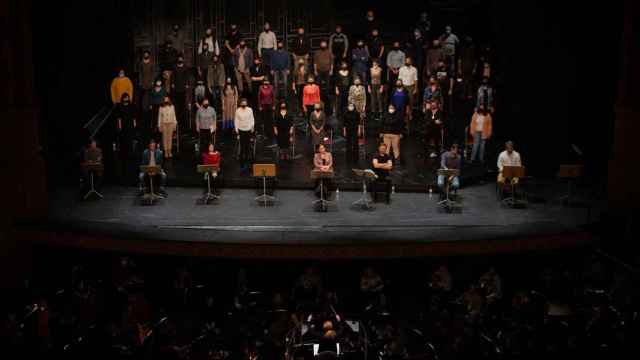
(412, 225)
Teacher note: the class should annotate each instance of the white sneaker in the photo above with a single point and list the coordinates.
(433, 155)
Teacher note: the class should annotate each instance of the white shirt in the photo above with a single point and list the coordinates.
(267, 40)
(152, 158)
(244, 120)
(480, 122)
(212, 43)
(408, 75)
(504, 159)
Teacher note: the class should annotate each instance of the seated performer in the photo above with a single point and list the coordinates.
(92, 155)
(382, 166)
(322, 161)
(449, 160)
(509, 157)
(212, 157)
(153, 157)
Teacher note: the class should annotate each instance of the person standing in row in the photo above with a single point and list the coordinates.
(206, 122)
(280, 65)
(339, 45)
(376, 88)
(343, 83)
(360, 61)
(266, 107)
(176, 37)
(283, 130)
(181, 84)
(230, 99)
(167, 125)
(435, 129)
(215, 80)
(480, 129)
(267, 43)
(300, 77)
(323, 68)
(375, 46)
(301, 48)
(310, 96)
(395, 60)
(146, 76)
(205, 57)
(242, 60)
(409, 76)
(259, 72)
(352, 131)
(210, 40)
(358, 97)
(231, 43)
(120, 85)
(158, 93)
(244, 124)
(317, 123)
(392, 127)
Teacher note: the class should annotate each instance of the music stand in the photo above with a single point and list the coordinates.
(448, 173)
(511, 172)
(571, 173)
(264, 171)
(92, 168)
(365, 175)
(151, 171)
(317, 174)
(210, 170)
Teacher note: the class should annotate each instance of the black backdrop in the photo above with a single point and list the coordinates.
(556, 67)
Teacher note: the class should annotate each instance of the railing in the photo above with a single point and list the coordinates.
(93, 126)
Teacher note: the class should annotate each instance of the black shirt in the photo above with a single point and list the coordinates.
(374, 44)
(382, 159)
(258, 71)
(393, 123)
(351, 121)
(300, 46)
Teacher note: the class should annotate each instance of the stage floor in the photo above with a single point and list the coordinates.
(237, 219)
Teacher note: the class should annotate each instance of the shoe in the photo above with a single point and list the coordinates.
(272, 145)
(433, 155)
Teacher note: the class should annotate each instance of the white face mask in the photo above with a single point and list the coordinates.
(391, 111)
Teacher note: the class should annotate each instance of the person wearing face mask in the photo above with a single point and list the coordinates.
(370, 22)
(210, 40)
(301, 47)
(242, 60)
(317, 123)
(382, 166)
(339, 45)
(167, 57)
(360, 61)
(176, 37)
(395, 60)
(416, 49)
(358, 97)
(375, 46)
(310, 96)
(229, 104)
(167, 125)
(450, 43)
(206, 122)
(146, 74)
(259, 72)
(399, 98)
(434, 129)
(283, 130)
(392, 127)
(485, 96)
(323, 68)
(181, 84)
(121, 84)
(480, 129)
(434, 56)
(424, 24)
(280, 65)
(244, 124)
(125, 115)
(158, 93)
(376, 88)
(351, 130)
(431, 92)
(343, 83)
(231, 43)
(466, 65)
(409, 76)
(266, 107)
(267, 43)
(205, 56)
(215, 80)
(300, 77)
(446, 80)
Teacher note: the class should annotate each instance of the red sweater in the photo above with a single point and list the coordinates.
(211, 158)
(266, 98)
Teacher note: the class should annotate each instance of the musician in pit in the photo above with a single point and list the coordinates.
(323, 162)
(152, 156)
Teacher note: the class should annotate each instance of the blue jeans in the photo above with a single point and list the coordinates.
(478, 145)
(276, 82)
(266, 56)
(455, 183)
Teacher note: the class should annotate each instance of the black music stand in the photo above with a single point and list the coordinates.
(447, 203)
(317, 174)
(264, 171)
(92, 168)
(365, 175)
(511, 172)
(209, 170)
(151, 171)
(570, 173)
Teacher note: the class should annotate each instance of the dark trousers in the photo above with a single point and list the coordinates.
(179, 99)
(381, 185)
(299, 89)
(245, 147)
(204, 138)
(266, 117)
(351, 150)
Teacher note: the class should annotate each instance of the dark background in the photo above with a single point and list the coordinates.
(556, 68)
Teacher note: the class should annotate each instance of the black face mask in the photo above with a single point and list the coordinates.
(396, 48)
(126, 102)
(205, 105)
(180, 63)
(146, 56)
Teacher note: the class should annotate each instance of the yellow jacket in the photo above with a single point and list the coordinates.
(119, 86)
